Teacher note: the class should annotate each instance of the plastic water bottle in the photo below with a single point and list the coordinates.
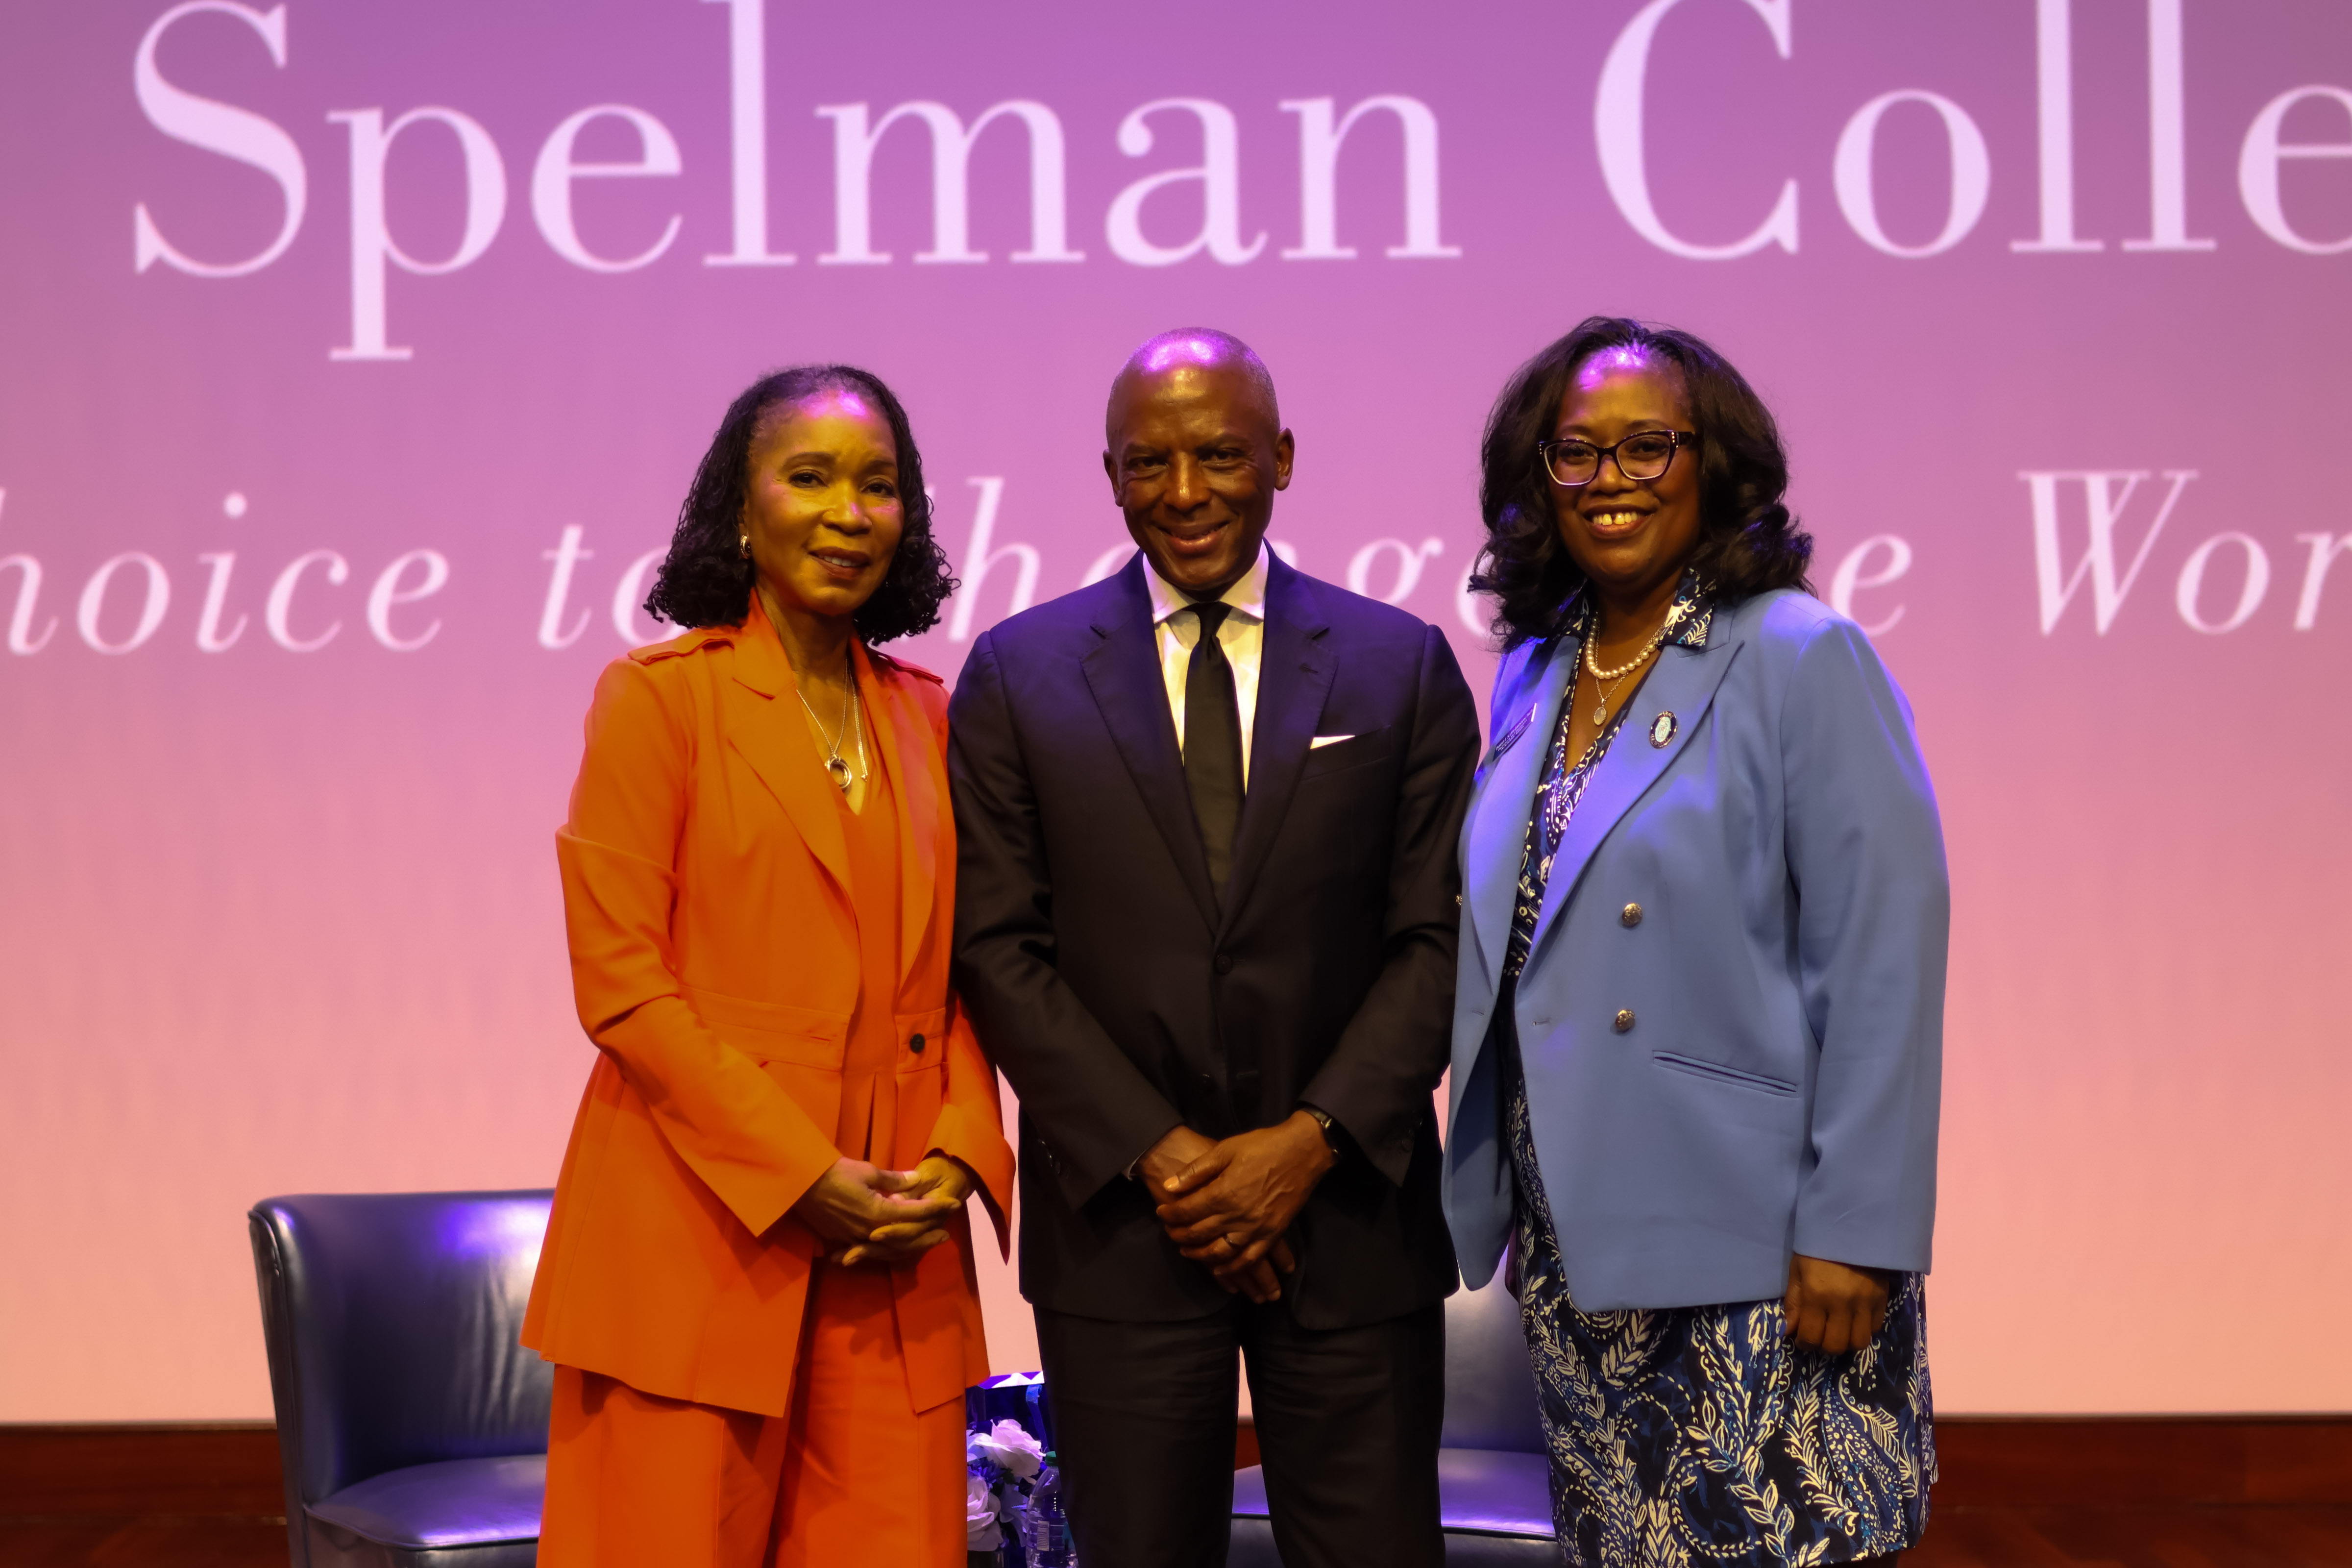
(1045, 1529)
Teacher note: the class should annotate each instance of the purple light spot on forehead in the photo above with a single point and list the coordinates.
(1609, 362)
(1199, 351)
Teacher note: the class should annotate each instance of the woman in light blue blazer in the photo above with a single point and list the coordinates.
(1697, 1039)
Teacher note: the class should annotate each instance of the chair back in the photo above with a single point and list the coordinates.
(392, 1321)
(1490, 1388)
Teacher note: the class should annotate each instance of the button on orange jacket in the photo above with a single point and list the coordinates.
(713, 933)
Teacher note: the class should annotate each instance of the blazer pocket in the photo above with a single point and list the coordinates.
(1356, 750)
(774, 1031)
(1721, 1074)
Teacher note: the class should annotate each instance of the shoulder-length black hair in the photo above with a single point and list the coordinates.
(1748, 541)
(706, 582)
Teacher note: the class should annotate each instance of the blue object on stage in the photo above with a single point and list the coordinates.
(411, 1422)
(1493, 1494)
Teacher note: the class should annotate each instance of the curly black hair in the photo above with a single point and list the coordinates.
(1748, 541)
(706, 582)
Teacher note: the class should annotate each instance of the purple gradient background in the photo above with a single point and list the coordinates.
(275, 922)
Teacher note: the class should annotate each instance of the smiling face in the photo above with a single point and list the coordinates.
(1631, 538)
(821, 503)
(1195, 457)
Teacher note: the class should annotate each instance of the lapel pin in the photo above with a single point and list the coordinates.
(1510, 737)
(1661, 728)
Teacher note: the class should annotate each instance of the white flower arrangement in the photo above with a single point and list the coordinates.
(1001, 1463)
(1009, 1447)
(980, 1512)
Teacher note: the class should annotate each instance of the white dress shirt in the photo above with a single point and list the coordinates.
(1176, 627)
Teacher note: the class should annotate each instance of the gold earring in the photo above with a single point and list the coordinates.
(746, 543)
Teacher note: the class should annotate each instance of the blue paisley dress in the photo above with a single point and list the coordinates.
(1696, 1437)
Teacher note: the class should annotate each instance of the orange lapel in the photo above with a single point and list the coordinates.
(918, 785)
(759, 710)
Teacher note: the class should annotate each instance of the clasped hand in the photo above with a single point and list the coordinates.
(865, 1213)
(1226, 1203)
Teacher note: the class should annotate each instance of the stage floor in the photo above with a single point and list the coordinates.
(2083, 1492)
(1960, 1537)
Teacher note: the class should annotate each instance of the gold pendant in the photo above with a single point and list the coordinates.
(1601, 713)
(840, 772)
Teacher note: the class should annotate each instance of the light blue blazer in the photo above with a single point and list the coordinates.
(1755, 1065)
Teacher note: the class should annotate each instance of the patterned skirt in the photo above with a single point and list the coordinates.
(1696, 1437)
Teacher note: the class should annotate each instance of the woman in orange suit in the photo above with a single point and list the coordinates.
(763, 1320)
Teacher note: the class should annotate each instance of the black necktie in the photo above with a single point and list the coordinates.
(1213, 744)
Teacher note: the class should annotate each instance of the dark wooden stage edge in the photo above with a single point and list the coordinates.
(230, 1468)
(179, 1469)
(2065, 1492)
(2143, 1461)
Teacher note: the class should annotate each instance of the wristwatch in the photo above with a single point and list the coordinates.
(1323, 1120)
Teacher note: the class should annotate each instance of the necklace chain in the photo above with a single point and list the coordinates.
(1618, 675)
(834, 763)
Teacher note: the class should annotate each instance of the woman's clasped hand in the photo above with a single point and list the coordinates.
(866, 1213)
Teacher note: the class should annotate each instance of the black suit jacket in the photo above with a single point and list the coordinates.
(1120, 999)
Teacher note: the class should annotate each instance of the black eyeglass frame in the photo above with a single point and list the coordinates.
(1680, 438)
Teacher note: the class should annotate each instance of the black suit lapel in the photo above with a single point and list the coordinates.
(1122, 670)
(1295, 672)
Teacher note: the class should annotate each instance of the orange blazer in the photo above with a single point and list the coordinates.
(712, 925)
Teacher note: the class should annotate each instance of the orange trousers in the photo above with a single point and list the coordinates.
(853, 1477)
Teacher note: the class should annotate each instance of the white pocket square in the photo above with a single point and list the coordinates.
(1327, 740)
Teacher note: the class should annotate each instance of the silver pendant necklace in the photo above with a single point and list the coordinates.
(834, 763)
(1618, 675)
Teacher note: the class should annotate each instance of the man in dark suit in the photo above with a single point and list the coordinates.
(1205, 921)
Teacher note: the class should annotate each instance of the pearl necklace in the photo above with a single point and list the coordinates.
(1618, 675)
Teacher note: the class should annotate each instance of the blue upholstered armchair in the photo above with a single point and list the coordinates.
(412, 1425)
(1493, 1494)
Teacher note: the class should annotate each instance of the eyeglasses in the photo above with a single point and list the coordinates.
(1645, 455)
